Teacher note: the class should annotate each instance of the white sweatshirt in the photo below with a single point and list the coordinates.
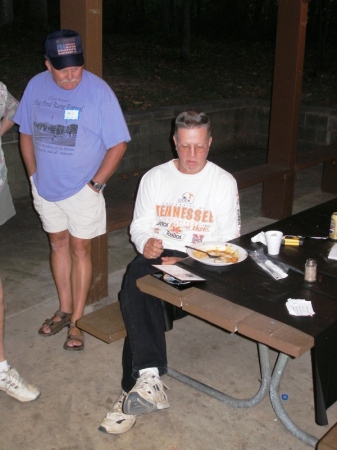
(183, 209)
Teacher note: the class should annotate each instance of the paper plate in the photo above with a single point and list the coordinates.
(232, 254)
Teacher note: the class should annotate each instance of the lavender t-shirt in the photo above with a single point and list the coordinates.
(72, 130)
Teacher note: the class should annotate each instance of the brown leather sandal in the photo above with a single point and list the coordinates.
(76, 337)
(56, 326)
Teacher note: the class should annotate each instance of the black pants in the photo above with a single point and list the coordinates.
(146, 319)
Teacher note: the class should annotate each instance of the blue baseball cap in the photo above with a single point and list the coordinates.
(64, 49)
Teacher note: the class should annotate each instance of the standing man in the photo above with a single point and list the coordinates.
(185, 201)
(72, 136)
(10, 380)
(8, 106)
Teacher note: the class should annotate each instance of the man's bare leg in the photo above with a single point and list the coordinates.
(61, 266)
(80, 250)
(2, 324)
(72, 270)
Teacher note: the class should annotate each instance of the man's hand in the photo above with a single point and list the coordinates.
(171, 259)
(153, 248)
(92, 188)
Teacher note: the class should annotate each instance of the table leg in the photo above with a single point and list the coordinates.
(228, 400)
(277, 403)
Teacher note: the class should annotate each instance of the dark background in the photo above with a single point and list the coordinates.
(170, 52)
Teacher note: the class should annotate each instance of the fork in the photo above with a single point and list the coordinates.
(210, 255)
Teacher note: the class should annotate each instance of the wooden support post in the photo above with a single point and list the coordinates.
(277, 197)
(85, 17)
(329, 440)
(329, 177)
(99, 256)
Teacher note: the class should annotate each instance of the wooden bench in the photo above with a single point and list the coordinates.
(317, 155)
(231, 317)
(258, 174)
(278, 179)
(106, 323)
(329, 440)
(118, 216)
(327, 155)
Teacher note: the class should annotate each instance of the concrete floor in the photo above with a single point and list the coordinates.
(79, 388)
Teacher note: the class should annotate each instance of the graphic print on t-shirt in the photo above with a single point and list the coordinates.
(181, 217)
(56, 124)
(63, 135)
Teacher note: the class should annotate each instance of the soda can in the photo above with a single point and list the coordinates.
(333, 227)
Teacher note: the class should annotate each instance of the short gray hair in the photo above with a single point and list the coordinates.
(192, 119)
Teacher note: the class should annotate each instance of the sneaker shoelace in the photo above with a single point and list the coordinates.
(13, 379)
(150, 383)
(118, 407)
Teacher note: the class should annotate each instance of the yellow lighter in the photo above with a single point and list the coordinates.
(292, 240)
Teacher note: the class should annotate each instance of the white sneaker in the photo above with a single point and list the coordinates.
(147, 395)
(16, 386)
(116, 422)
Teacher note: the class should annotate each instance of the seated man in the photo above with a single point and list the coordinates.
(185, 201)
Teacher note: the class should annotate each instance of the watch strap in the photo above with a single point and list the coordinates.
(95, 185)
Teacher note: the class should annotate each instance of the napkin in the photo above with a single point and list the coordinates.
(299, 307)
(260, 238)
(333, 252)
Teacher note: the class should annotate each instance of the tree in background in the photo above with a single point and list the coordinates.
(6, 13)
(322, 27)
(14, 13)
(180, 23)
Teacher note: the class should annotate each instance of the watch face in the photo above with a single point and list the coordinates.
(96, 186)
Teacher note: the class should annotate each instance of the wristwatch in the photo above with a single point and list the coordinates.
(96, 185)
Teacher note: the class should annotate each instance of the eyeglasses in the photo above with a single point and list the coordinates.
(184, 148)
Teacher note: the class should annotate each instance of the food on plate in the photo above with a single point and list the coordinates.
(226, 254)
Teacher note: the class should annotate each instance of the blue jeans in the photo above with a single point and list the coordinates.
(146, 320)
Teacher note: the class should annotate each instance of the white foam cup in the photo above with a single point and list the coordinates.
(274, 239)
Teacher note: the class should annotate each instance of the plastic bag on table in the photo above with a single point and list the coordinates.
(276, 269)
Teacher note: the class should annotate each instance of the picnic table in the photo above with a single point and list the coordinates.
(246, 300)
